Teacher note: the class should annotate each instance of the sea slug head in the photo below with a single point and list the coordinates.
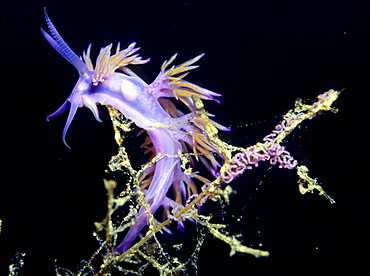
(84, 87)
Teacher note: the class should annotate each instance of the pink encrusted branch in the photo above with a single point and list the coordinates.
(251, 156)
(271, 149)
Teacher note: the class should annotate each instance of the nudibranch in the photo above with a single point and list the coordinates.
(150, 106)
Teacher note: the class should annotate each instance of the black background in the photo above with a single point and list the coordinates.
(261, 55)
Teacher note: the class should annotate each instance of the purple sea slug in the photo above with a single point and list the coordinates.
(150, 106)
